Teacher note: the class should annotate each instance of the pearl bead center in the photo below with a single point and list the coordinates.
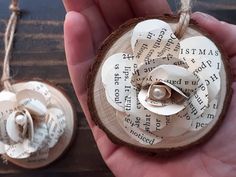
(159, 93)
(21, 119)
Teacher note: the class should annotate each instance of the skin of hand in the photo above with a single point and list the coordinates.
(87, 24)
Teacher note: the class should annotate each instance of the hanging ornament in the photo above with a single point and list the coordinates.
(37, 120)
(159, 84)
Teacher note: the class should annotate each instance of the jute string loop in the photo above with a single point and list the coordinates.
(185, 12)
(8, 42)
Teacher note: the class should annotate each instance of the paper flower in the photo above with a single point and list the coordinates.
(29, 120)
(164, 86)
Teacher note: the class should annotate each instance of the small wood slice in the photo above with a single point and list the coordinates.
(106, 116)
(37, 160)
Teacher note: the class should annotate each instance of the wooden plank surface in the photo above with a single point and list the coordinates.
(39, 53)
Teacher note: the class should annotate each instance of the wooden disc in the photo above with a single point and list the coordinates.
(42, 159)
(108, 119)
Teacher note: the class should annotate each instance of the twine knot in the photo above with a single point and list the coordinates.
(14, 8)
(184, 18)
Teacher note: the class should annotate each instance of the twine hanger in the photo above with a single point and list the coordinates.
(8, 42)
(185, 12)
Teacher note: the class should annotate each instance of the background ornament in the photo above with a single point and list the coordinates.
(37, 120)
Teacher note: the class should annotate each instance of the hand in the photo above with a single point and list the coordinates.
(87, 24)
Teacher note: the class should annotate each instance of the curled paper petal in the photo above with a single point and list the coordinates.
(204, 59)
(154, 39)
(145, 68)
(174, 75)
(38, 87)
(26, 94)
(16, 151)
(207, 116)
(13, 129)
(35, 107)
(18, 125)
(34, 102)
(141, 117)
(40, 135)
(7, 96)
(56, 125)
(176, 125)
(198, 102)
(59, 116)
(166, 108)
(116, 75)
(29, 146)
(142, 136)
(6, 108)
(30, 125)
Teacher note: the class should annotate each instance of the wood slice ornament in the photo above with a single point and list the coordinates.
(37, 119)
(157, 87)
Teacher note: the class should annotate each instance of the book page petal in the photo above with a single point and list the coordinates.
(204, 59)
(116, 78)
(154, 39)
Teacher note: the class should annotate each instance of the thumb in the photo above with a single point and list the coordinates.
(224, 33)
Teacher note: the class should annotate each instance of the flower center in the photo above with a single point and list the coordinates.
(21, 119)
(159, 93)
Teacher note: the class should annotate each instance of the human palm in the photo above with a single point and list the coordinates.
(87, 24)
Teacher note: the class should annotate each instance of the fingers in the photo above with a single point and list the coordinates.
(115, 13)
(232, 63)
(77, 5)
(150, 7)
(88, 8)
(79, 49)
(222, 32)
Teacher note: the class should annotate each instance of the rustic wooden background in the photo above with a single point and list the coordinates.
(39, 52)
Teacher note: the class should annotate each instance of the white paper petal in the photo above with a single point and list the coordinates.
(30, 126)
(176, 89)
(142, 117)
(27, 93)
(118, 106)
(116, 75)
(56, 125)
(28, 146)
(204, 59)
(59, 116)
(12, 128)
(142, 136)
(198, 102)
(168, 108)
(6, 108)
(40, 135)
(207, 116)
(35, 107)
(7, 96)
(176, 125)
(36, 86)
(154, 39)
(174, 75)
(34, 102)
(16, 151)
(147, 67)
(2, 148)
